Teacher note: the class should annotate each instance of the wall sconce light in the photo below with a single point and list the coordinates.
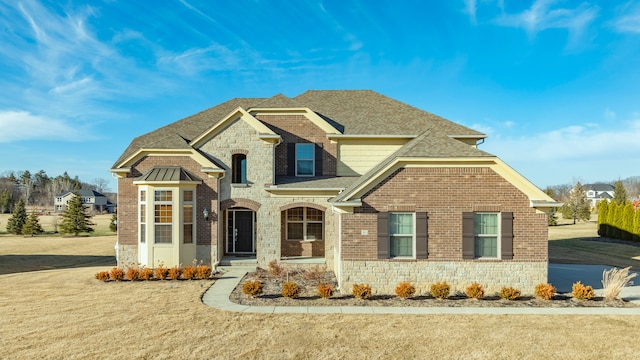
(205, 213)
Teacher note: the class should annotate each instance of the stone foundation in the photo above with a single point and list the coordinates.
(384, 276)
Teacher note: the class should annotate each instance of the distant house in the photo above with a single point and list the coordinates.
(597, 192)
(92, 200)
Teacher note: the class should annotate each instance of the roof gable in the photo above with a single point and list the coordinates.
(263, 131)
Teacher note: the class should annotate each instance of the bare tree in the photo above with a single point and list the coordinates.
(101, 185)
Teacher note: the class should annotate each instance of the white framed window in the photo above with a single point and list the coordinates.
(163, 216)
(305, 160)
(402, 234)
(305, 223)
(486, 229)
(187, 216)
(143, 216)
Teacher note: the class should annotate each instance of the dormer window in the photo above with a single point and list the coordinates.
(305, 164)
(239, 169)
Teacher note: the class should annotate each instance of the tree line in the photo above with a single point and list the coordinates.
(39, 189)
(74, 221)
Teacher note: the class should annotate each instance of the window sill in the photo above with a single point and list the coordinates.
(402, 258)
(302, 240)
(487, 259)
(239, 185)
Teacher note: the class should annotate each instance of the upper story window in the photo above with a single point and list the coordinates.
(239, 169)
(305, 160)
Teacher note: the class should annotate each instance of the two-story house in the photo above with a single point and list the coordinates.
(92, 200)
(598, 192)
(375, 189)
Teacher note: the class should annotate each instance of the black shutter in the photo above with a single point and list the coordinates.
(422, 235)
(318, 156)
(467, 235)
(291, 159)
(506, 239)
(383, 235)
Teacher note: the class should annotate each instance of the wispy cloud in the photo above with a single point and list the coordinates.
(628, 20)
(23, 125)
(470, 9)
(543, 15)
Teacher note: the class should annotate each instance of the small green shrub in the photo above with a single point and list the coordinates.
(545, 291)
(189, 272)
(325, 290)
(440, 290)
(290, 290)
(116, 274)
(474, 291)
(509, 293)
(582, 292)
(361, 291)
(252, 288)
(146, 273)
(133, 274)
(405, 290)
(103, 276)
(174, 273)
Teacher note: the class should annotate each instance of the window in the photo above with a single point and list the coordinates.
(239, 169)
(187, 213)
(163, 216)
(143, 216)
(304, 224)
(485, 230)
(401, 234)
(305, 165)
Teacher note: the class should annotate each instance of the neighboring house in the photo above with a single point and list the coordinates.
(375, 189)
(91, 199)
(597, 192)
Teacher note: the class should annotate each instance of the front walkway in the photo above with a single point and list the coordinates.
(217, 296)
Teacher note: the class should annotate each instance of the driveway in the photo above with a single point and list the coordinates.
(562, 276)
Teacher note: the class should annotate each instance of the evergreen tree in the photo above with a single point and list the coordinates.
(627, 221)
(552, 217)
(578, 205)
(75, 220)
(636, 225)
(32, 225)
(17, 220)
(6, 202)
(611, 219)
(113, 225)
(552, 194)
(603, 207)
(619, 192)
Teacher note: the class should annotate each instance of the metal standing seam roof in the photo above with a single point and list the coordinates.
(168, 174)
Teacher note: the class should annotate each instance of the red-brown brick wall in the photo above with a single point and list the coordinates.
(445, 193)
(299, 129)
(206, 196)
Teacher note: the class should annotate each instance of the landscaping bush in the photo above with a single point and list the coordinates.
(582, 292)
(509, 293)
(252, 288)
(103, 276)
(440, 290)
(189, 272)
(325, 290)
(361, 291)
(116, 274)
(614, 280)
(290, 290)
(203, 272)
(133, 274)
(276, 270)
(161, 272)
(474, 291)
(405, 290)
(146, 273)
(315, 274)
(545, 291)
(174, 273)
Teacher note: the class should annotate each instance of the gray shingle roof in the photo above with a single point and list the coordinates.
(83, 192)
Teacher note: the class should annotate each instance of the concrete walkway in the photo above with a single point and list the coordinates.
(217, 296)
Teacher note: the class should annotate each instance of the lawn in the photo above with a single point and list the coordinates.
(65, 313)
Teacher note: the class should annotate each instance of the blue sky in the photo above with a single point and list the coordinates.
(554, 84)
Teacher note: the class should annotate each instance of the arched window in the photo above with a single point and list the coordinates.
(239, 169)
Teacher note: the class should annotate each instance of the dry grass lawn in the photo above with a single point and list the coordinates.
(66, 314)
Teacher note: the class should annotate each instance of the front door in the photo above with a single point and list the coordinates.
(240, 231)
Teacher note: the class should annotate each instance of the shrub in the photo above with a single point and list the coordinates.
(440, 290)
(276, 270)
(315, 274)
(133, 274)
(614, 280)
(146, 273)
(161, 272)
(325, 290)
(203, 272)
(405, 290)
(509, 293)
(582, 292)
(474, 291)
(188, 272)
(361, 291)
(252, 288)
(103, 276)
(545, 291)
(174, 273)
(116, 274)
(290, 290)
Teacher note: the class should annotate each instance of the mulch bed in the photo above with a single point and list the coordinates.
(308, 280)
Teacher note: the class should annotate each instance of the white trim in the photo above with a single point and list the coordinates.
(498, 235)
(413, 235)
